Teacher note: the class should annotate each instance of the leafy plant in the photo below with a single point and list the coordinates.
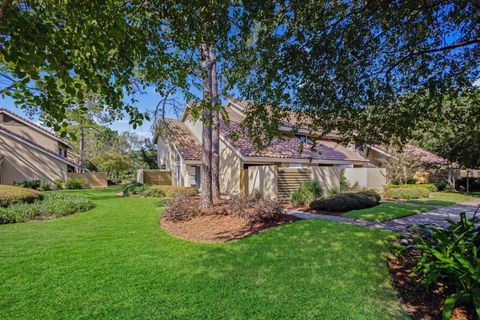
(308, 191)
(141, 189)
(451, 256)
(71, 184)
(254, 209)
(407, 193)
(11, 194)
(32, 184)
(347, 201)
(54, 204)
(44, 185)
(58, 183)
(429, 186)
(182, 208)
(344, 184)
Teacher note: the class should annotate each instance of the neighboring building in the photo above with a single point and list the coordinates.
(179, 150)
(28, 151)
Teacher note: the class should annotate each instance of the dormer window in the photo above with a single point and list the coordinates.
(62, 152)
(304, 139)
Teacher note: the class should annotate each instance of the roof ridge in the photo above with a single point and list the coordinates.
(2, 109)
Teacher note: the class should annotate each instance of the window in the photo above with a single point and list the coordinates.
(193, 176)
(304, 139)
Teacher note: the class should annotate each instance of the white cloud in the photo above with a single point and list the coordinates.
(477, 83)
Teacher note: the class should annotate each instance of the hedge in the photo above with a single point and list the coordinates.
(406, 193)
(429, 186)
(347, 201)
(11, 194)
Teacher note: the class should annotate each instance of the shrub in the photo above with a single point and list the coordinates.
(54, 204)
(12, 194)
(141, 189)
(255, 210)
(58, 183)
(44, 185)
(32, 184)
(72, 184)
(451, 257)
(182, 208)
(308, 191)
(344, 184)
(176, 191)
(347, 201)
(406, 193)
(429, 186)
(474, 184)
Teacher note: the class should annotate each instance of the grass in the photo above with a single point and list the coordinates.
(387, 211)
(445, 199)
(115, 261)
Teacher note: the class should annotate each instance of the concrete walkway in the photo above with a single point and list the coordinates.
(436, 217)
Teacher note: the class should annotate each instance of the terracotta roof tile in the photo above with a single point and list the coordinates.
(186, 143)
(424, 156)
(285, 148)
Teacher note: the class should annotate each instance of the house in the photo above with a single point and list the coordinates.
(179, 151)
(30, 152)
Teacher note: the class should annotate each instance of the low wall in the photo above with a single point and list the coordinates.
(263, 179)
(369, 178)
(329, 177)
(90, 179)
(155, 177)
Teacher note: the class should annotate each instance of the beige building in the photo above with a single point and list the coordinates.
(179, 150)
(28, 151)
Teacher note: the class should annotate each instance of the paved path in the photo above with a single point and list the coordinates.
(436, 217)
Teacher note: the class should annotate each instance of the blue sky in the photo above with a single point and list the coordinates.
(146, 102)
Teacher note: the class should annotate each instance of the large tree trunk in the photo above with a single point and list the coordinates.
(206, 173)
(215, 129)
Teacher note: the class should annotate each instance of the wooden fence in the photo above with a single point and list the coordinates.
(155, 177)
(90, 179)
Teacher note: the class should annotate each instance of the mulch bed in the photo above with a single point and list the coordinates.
(218, 228)
(421, 302)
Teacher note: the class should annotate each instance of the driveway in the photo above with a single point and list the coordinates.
(436, 217)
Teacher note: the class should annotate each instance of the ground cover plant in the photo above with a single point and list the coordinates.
(72, 184)
(119, 263)
(387, 211)
(406, 193)
(32, 184)
(445, 199)
(308, 191)
(429, 186)
(347, 201)
(445, 263)
(54, 204)
(145, 190)
(13, 194)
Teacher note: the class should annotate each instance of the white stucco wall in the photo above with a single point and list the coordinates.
(370, 178)
(263, 179)
(329, 177)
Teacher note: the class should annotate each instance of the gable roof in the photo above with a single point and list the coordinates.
(291, 148)
(281, 148)
(34, 126)
(422, 155)
(34, 145)
(187, 145)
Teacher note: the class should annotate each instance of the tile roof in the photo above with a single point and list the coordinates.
(38, 127)
(49, 152)
(184, 140)
(291, 148)
(424, 156)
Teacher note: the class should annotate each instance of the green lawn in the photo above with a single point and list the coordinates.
(116, 262)
(387, 211)
(445, 199)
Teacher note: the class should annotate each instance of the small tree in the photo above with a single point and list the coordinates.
(401, 167)
(112, 163)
